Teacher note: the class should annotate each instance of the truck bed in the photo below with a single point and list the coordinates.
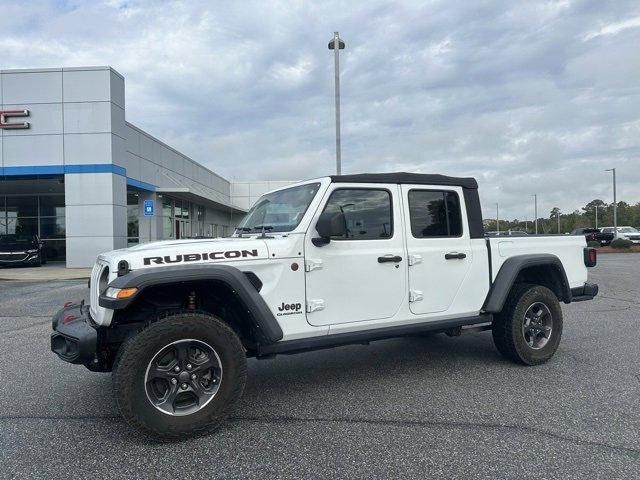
(568, 248)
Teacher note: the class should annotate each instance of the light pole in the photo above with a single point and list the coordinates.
(558, 216)
(336, 40)
(498, 218)
(615, 203)
(535, 210)
(596, 217)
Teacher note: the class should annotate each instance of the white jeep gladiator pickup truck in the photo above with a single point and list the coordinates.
(327, 262)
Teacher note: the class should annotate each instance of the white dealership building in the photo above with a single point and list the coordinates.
(76, 173)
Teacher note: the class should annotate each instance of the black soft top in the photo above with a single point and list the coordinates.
(404, 177)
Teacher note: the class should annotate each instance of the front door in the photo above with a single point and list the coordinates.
(439, 248)
(361, 275)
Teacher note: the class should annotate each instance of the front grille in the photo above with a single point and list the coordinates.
(13, 257)
(94, 294)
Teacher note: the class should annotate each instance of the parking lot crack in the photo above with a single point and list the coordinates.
(635, 453)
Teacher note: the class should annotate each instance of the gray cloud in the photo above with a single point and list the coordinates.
(528, 97)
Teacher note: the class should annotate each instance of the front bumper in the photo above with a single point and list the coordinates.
(586, 292)
(17, 259)
(74, 338)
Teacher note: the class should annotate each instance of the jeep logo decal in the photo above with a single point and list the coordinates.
(196, 257)
(289, 309)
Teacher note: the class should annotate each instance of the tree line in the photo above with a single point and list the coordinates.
(583, 218)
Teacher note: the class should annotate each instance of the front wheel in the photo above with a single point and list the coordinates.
(181, 376)
(529, 327)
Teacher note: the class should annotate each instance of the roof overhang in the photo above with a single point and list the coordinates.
(186, 193)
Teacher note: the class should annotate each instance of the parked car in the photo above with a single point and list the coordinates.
(21, 250)
(338, 260)
(594, 235)
(628, 233)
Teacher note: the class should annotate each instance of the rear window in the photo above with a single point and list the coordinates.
(435, 213)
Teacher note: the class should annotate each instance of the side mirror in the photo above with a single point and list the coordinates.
(330, 224)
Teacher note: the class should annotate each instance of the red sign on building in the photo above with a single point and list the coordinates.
(8, 125)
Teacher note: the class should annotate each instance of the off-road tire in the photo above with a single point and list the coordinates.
(135, 354)
(507, 325)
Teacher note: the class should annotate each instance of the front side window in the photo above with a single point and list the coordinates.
(279, 211)
(367, 213)
(435, 213)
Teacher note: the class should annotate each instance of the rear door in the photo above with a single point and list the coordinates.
(363, 274)
(438, 247)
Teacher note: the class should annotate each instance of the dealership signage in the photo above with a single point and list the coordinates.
(7, 124)
(149, 208)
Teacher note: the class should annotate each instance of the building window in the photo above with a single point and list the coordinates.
(133, 219)
(42, 215)
(435, 213)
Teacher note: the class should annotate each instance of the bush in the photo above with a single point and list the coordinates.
(621, 243)
(593, 244)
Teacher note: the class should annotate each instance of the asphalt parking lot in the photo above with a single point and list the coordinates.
(402, 408)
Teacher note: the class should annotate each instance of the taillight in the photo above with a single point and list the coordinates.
(590, 257)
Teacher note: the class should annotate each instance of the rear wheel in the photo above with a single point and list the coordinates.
(181, 376)
(529, 327)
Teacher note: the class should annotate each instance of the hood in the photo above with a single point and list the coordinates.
(180, 252)
(17, 246)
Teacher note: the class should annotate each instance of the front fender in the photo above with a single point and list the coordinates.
(263, 319)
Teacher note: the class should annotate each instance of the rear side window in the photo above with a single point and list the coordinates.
(367, 213)
(435, 213)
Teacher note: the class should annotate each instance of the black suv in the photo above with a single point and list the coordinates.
(21, 250)
(594, 235)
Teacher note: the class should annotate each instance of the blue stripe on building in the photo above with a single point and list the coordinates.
(82, 168)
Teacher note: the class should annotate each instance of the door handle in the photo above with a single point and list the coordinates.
(390, 258)
(453, 255)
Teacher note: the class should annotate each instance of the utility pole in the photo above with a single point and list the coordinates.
(535, 210)
(615, 204)
(558, 216)
(336, 44)
(596, 217)
(498, 218)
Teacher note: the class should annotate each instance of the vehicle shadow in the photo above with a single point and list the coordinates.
(308, 384)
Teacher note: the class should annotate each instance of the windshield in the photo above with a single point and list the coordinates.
(279, 211)
(627, 230)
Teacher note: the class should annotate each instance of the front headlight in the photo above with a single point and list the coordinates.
(32, 251)
(120, 293)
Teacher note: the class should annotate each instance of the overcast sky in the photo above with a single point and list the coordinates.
(525, 96)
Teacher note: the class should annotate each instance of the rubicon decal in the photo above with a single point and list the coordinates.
(289, 309)
(197, 257)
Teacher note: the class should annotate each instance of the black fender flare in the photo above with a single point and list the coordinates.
(263, 319)
(509, 272)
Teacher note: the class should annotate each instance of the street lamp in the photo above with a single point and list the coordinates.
(336, 40)
(535, 209)
(615, 203)
(596, 217)
(498, 218)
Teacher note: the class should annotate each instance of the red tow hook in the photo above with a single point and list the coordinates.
(67, 318)
(67, 304)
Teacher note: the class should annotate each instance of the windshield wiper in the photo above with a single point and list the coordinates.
(264, 229)
(243, 229)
